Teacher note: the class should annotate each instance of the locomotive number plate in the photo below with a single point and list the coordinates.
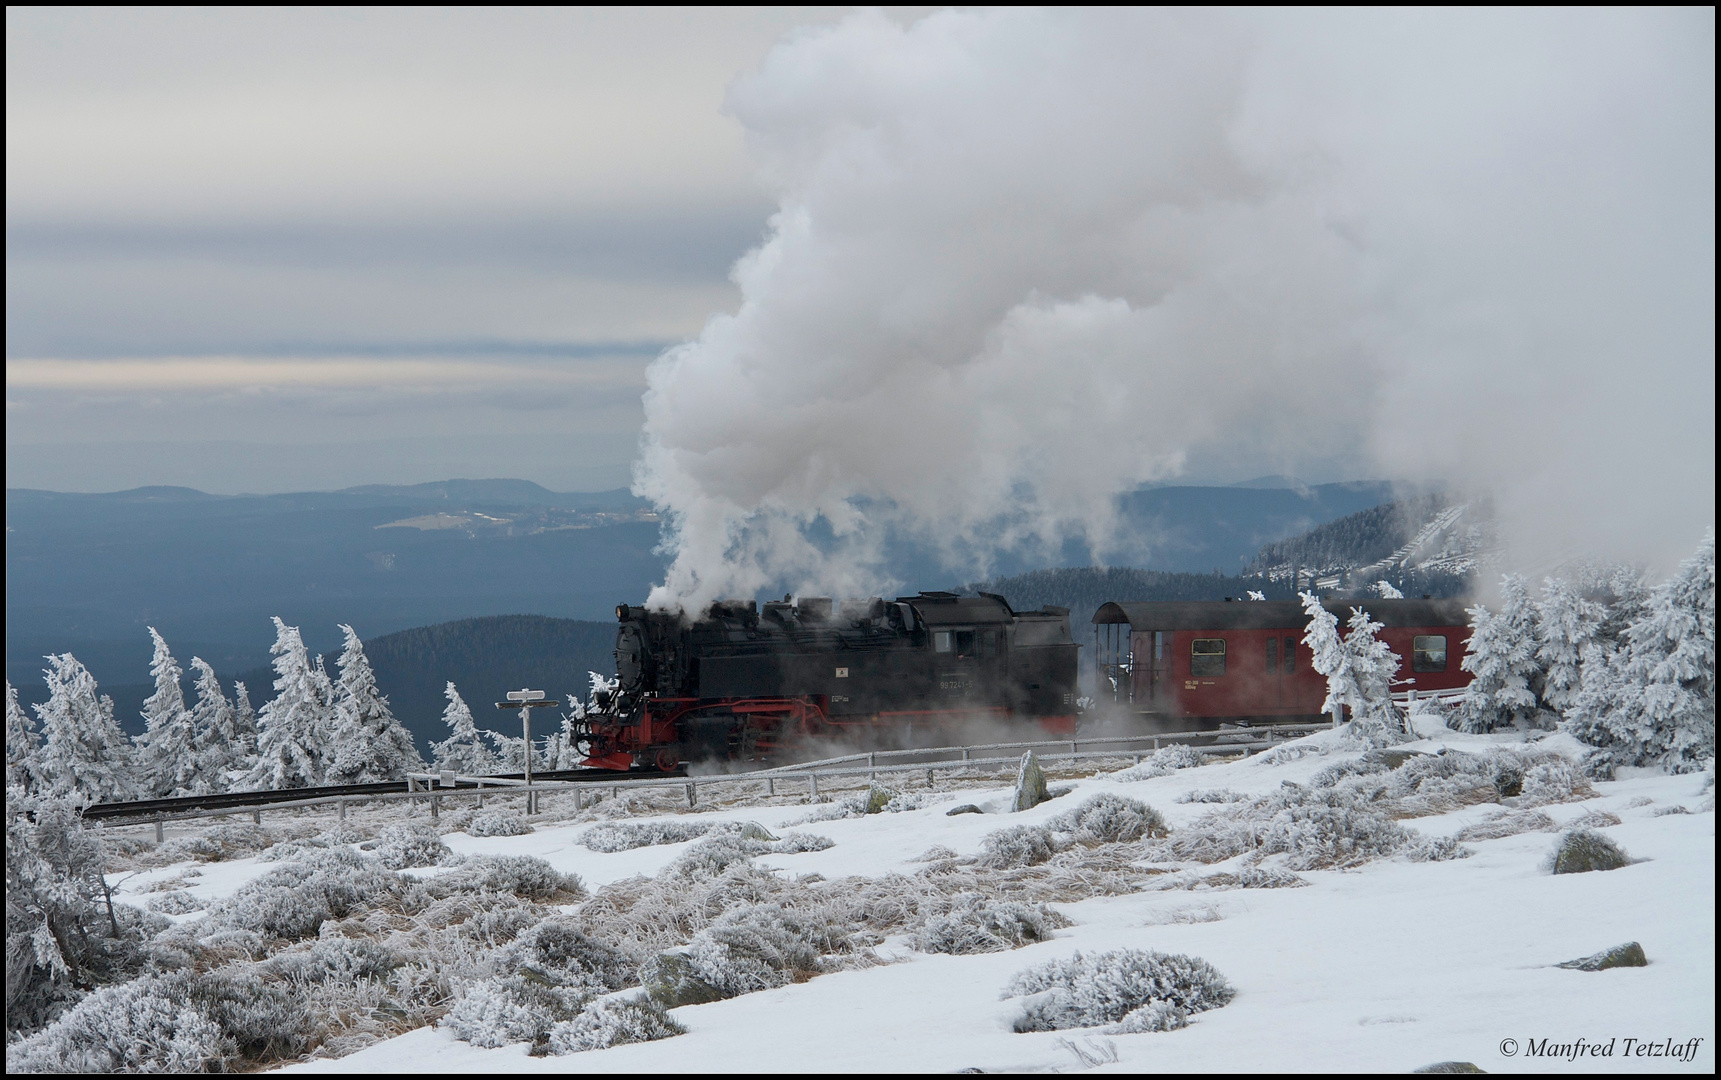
(842, 673)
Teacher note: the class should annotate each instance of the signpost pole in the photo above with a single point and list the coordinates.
(526, 701)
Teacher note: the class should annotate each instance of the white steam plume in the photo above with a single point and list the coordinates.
(1027, 260)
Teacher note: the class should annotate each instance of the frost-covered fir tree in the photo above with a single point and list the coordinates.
(1385, 590)
(1359, 668)
(84, 754)
(244, 727)
(369, 744)
(219, 747)
(21, 743)
(167, 758)
(1501, 657)
(1566, 623)
(291, 728)
(1653, 702)
(463, 751)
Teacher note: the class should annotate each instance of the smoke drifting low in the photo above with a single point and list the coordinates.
(1025, 261)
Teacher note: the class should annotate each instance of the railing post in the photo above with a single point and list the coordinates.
(158, 832)
(257, 817)
(578, 801)
(813, 781)
(692, 796)
(343, 805)
(436, 806)
(929, 778)
(770, 786)
(872, 763)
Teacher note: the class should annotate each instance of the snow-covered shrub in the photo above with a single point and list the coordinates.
(876, 799)
(492, 1013)
(1583, 850)
(1211, 795)
(750, 948)
(616, 836)
(935, 853)
(1508, 823)
(292, 849)
(1019, 845)
(333, 959)
(527, 876)
(1667, 811)
(915, 800)
(1104, 988)
(1268, 877)
(1595, 819)
(1436, 849)
(497, 823)
(293, 900)
(610, 1022)
(1317, 829)
(1165, 761)
(177, 902)
(262, 1020)
(417, 844)
(558, 952)
(978, 924)
(1335, 774)
(149, 1024)
(1152, 1017)
(1111, 819)
(1553, 779)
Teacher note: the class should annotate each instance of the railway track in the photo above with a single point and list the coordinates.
(239, 800)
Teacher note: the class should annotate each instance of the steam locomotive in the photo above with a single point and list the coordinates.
(741, 682)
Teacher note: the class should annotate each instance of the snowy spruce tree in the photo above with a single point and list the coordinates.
(369, 744)
(22, 742)
(1501, 657)
(244, 727)
(84, 755)
(463, 751)
(167, 757)
(1359, 669)
(1566, 623)
(1653, 701)
(292, 728)
(219, 747)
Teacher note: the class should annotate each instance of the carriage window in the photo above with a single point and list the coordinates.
(1207, 656)
(1272, 654)
(1290, 655)
(1428, 653)
(942, 641)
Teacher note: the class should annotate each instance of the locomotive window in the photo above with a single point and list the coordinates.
(988, 643)
(1272, 654)
(942, 641)
(1207, 656)
(965, 643)
(1290, 655)
(1428, 653)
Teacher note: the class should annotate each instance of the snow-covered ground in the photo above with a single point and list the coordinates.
(1388, 967)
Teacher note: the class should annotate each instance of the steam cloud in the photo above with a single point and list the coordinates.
(1027, 260)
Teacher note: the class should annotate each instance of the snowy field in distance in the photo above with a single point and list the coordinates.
(1388, 967)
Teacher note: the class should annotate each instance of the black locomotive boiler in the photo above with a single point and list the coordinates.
(742, 681)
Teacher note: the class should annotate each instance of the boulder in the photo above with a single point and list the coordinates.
(1450, 1067)
(1628, 955)
(965, 808)
(1030, 784)
(1583, 850)
(669, 980)
(752, 830)
(877, 798)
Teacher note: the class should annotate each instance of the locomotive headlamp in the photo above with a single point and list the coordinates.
(621, 612)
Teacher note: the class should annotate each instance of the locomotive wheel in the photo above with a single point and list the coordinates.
(668, 759)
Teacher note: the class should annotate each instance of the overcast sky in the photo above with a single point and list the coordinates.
(991, 261)
(357, 246)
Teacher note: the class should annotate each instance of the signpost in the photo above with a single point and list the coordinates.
(526, 701)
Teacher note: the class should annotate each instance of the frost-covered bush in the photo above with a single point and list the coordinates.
(1582, 850)
(1508, 823)
(558, 952)
(1212, 795)
(493, 1012)
(401, 846)
(1165, 761)
(232, 841)
(1317, 829)
(1152, 1017)
(1436, 849)
(876, 799)
(979, 924)
(1105, 988)
(150, 1024)
(749, 948)
(916, 800)
(260, 1019)
(710, 858)
(177, 902)
(292, 849)
(497, 823)
(293, 900)
(613, 836)
(1595, 819)
(609, 1022)
(1268, 877)
(1019, 845)
(525, 876)
(336, 959)
(1111, 819)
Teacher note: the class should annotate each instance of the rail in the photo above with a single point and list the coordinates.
(435, 787)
